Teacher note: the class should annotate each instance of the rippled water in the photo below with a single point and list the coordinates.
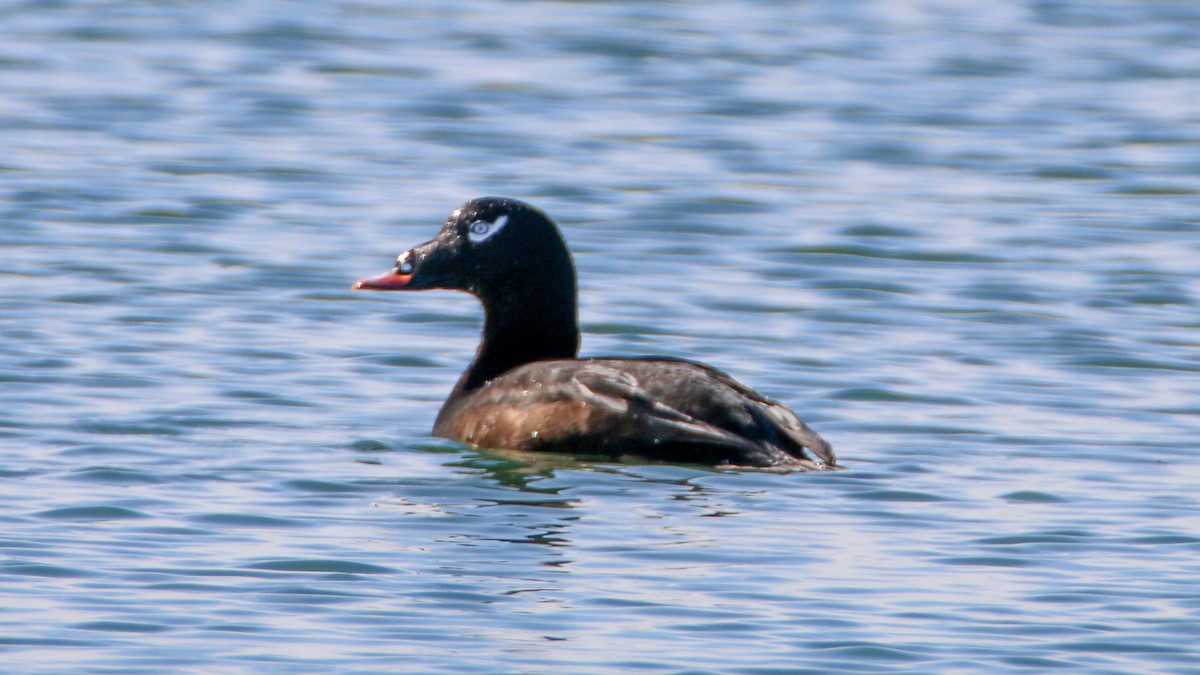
(959, 237)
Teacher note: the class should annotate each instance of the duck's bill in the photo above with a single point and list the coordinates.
(392, 281)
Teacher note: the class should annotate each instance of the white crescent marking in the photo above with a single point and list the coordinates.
(482, 230)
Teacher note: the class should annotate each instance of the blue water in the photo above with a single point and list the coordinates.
(959, 238)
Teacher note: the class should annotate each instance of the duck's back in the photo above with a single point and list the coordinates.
(659, 408)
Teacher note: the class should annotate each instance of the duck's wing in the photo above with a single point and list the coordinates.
(777, 415)
(691, 404)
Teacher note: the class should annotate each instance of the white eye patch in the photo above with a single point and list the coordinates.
(482, 230)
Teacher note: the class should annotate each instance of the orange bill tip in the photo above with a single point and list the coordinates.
(392, 281)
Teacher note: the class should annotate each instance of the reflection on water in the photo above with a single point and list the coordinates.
(958, 239)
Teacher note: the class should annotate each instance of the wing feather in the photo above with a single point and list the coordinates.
(620, 392)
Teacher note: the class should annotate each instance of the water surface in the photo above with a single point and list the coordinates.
(959, 238)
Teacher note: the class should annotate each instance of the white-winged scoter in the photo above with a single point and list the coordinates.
(526, 388)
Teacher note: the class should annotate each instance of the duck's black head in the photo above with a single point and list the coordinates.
(512, 257)
(490, 247)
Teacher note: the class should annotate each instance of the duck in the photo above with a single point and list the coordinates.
(527, 388)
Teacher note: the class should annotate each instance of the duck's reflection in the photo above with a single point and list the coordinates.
(524, 470)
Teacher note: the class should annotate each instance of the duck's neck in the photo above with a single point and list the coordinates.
(522, 326)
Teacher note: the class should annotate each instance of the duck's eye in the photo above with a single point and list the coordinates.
(482, 230)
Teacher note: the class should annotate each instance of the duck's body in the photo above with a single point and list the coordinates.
(526, 390)
(665, 409)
